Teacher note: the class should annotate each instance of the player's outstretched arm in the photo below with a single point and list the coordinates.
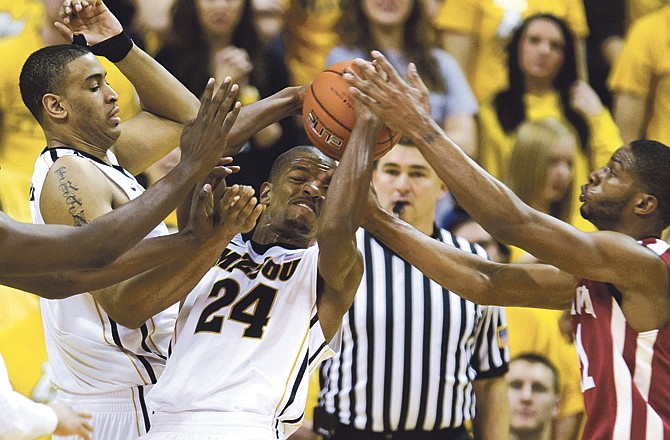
(132, 302)
(340, 263)
(34, 249)
(602, 256)
(472, 277)
(166, 103)
(260, 114)
(162, 95)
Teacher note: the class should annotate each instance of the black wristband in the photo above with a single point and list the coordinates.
(114, 49)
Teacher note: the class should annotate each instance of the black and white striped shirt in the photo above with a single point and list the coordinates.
(411, 349)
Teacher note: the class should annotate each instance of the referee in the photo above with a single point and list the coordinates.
(414, 355)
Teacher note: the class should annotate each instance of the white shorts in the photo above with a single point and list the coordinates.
(212, 426)
(115, 416)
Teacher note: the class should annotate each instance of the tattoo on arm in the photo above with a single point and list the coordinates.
(74, 203)
(430, 137)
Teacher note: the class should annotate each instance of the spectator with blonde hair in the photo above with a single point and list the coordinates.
(541, 173)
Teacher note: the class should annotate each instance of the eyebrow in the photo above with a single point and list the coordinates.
(411, 167)
(298, 167)
(96, 76)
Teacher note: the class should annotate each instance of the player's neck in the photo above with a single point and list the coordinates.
(76, 144)
(266, 234)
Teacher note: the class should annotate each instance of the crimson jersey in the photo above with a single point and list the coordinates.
(625, 374)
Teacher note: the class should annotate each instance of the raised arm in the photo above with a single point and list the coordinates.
(472, 277)
(340, 263)
(603, 256)
(260, 114)
(132, 302)
(166, 103)
(34, 249)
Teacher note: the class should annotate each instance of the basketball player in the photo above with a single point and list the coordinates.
(105, 360)
(271, 310)
(29, 253)
(617, 279)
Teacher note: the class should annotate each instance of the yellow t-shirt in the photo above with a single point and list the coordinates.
(491, 23)
(643, 70)
(495, 146)
(639, 8)
(21, 137)
(308, 37)
(536, 331)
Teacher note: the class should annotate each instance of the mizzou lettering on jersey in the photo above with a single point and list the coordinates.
(231, 260)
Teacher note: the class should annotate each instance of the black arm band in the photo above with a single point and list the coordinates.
(114, 49)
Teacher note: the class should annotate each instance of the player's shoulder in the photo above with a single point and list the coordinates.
(75, 171)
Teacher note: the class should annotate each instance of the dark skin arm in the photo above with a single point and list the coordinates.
(472, 277)
(606, 256)
(33, 249)
(340, 263)
(166, 103)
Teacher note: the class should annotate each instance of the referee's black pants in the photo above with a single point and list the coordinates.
(346, 432)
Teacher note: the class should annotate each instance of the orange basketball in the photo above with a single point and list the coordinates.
(328, 114)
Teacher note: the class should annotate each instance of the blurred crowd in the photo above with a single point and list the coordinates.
(538, 92)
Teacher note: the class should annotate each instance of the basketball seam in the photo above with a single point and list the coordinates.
(318, 101)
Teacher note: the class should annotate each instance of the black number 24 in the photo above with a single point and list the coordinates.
(260, 300)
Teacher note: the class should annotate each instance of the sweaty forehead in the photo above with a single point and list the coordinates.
(85, 66)
(308, 163)
(624, 156)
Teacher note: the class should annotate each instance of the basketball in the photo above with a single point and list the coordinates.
(328, 114)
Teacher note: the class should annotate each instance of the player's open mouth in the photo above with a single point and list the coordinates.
(306, 205)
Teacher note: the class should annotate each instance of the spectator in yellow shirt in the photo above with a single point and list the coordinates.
(640, 79)
(308, 35)
(477, 31)
(543, 83)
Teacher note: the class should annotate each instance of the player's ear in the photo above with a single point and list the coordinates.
(645, 204)
(53, 106)
(264, 196)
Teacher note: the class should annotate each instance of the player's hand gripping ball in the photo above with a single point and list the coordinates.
(328, 114)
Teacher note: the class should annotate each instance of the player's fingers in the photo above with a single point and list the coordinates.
(231, 117)
(415, 80)
(383, 64)
(206, 100)
(229, 198)
(362, 96)
(369, 74)
(222, 102)
(241, 207)
(64, 30)
(206, 199)
(254, 216)
(225, 160)
(76, 5)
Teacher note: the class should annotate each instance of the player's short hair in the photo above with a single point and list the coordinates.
(536, 358)
(44, 72)
(284, 159)
(652, 167)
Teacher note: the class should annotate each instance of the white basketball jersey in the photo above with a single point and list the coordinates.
(88, 351)
(247, 338)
